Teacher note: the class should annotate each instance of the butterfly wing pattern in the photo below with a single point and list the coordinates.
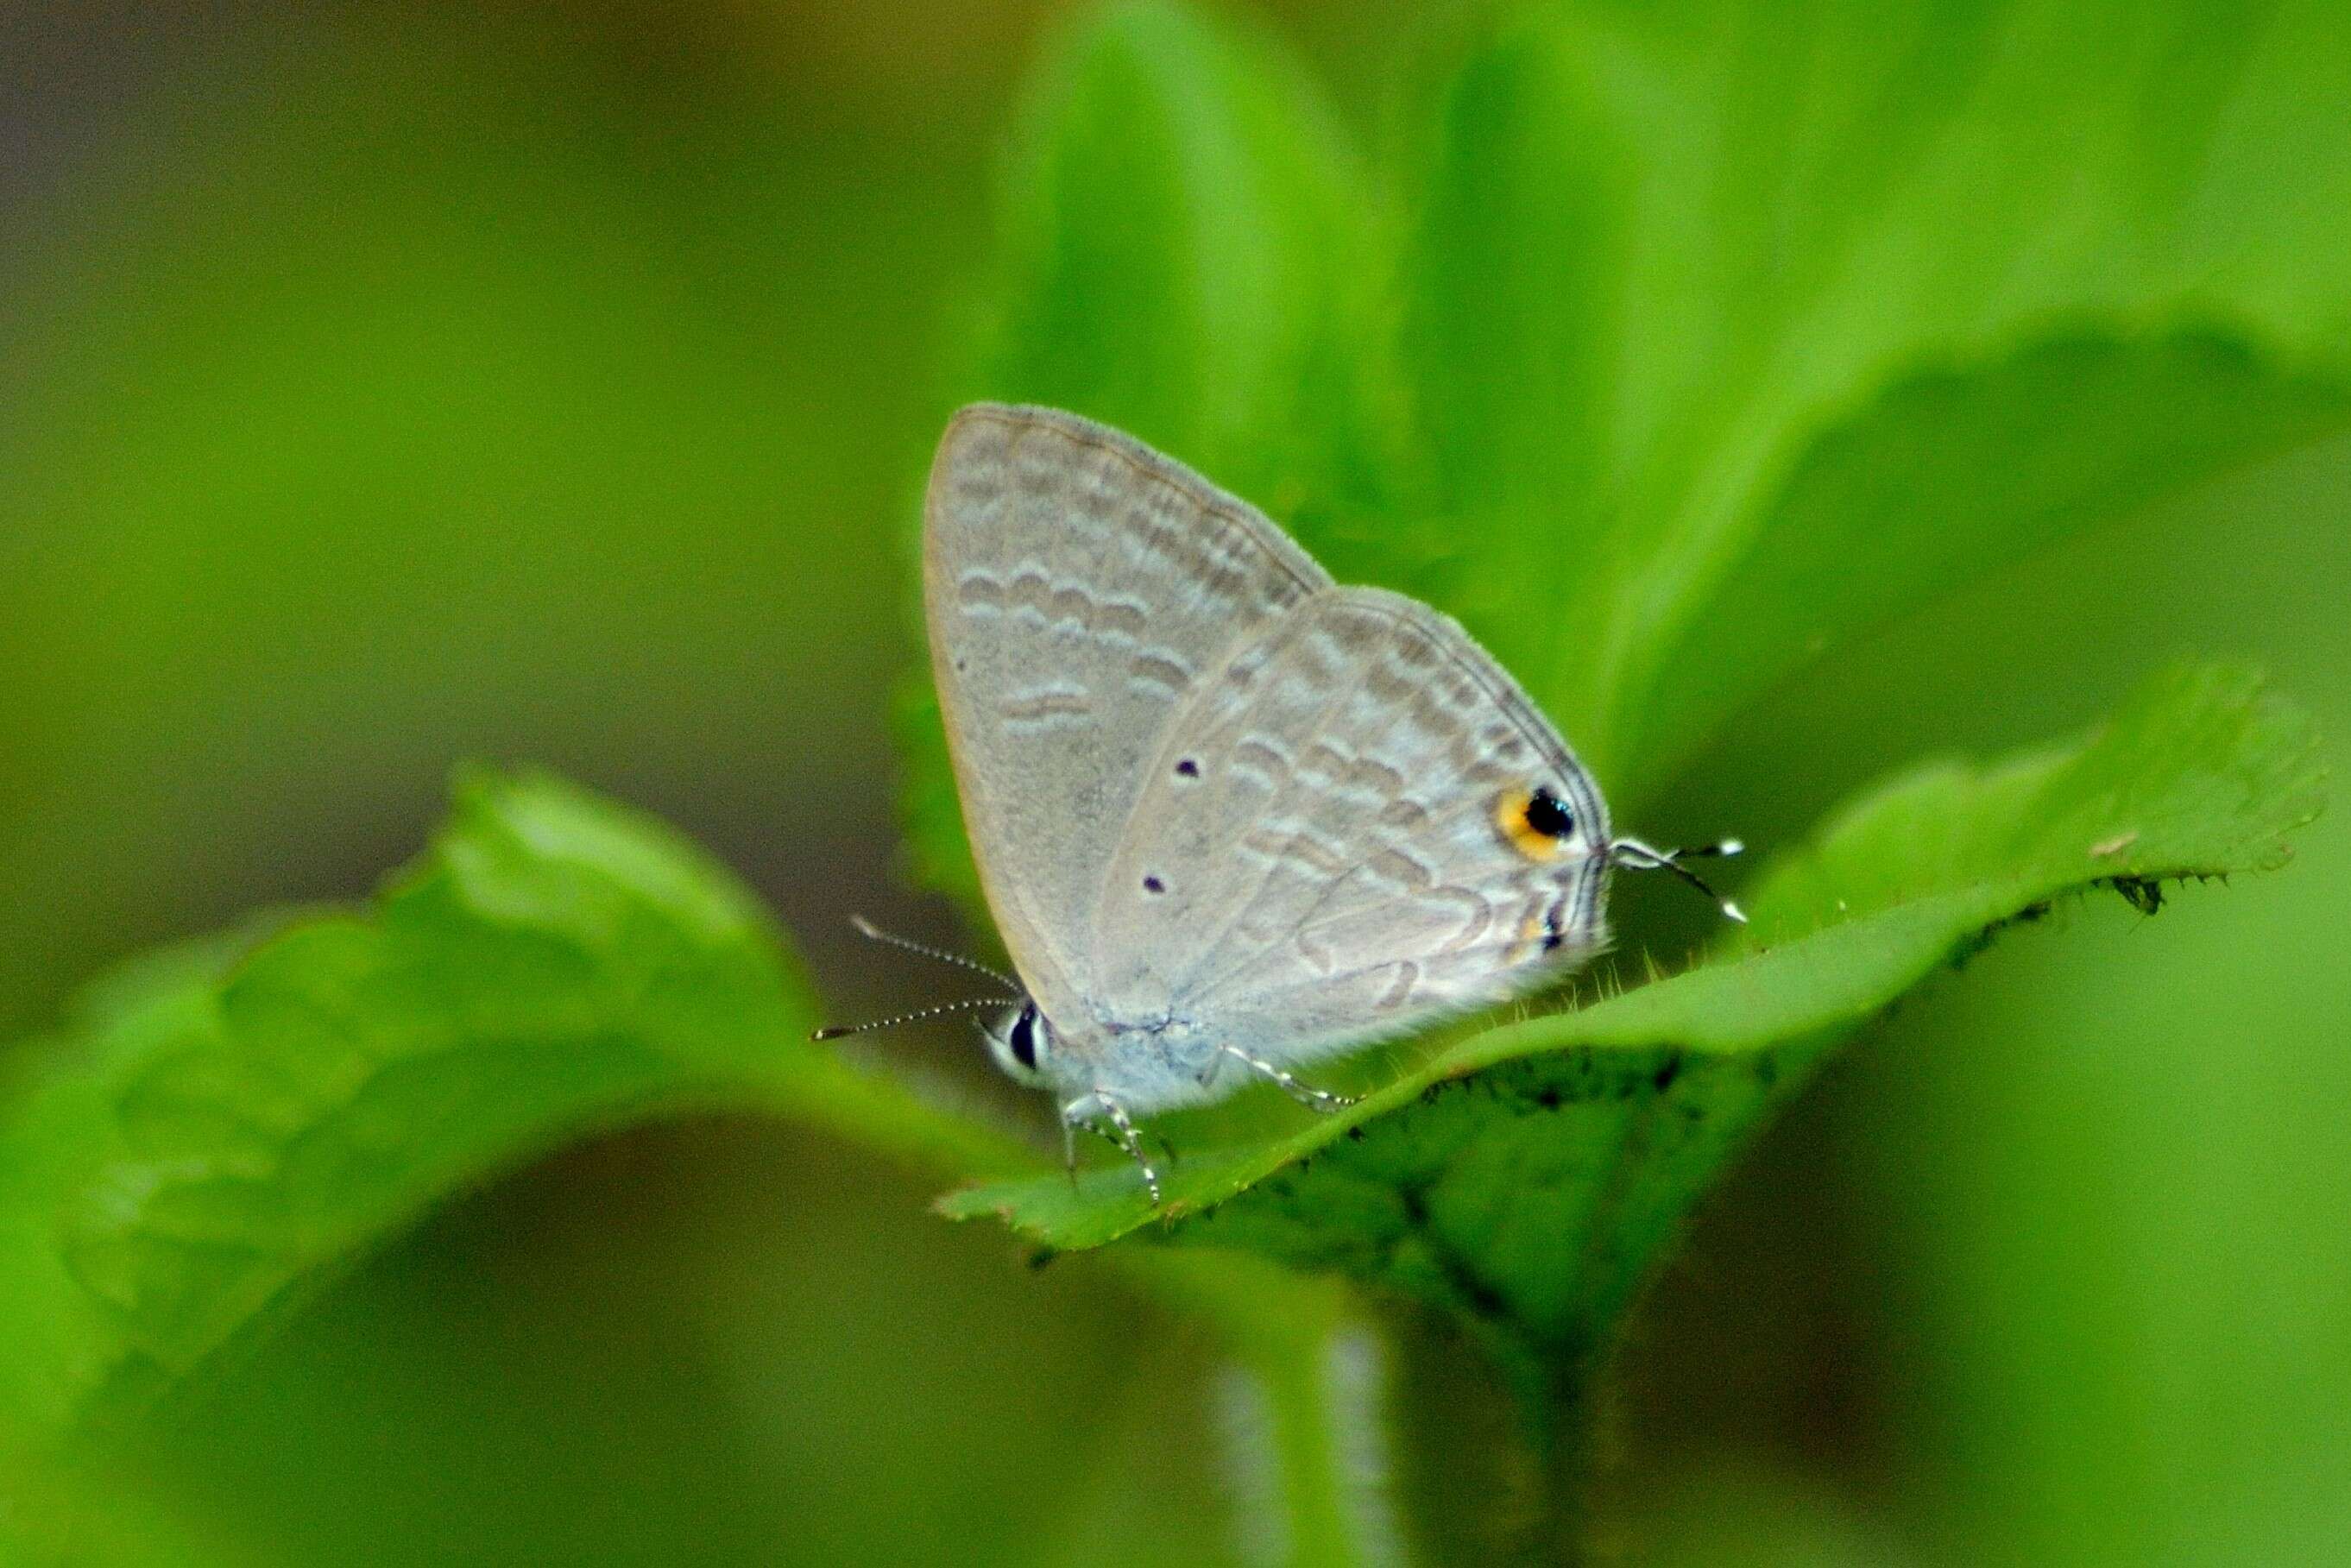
(1078, 587)
(1331, 845)
(1224, 810)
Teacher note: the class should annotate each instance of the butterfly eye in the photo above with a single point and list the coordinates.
(1023, 1040)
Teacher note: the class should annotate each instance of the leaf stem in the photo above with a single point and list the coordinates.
(1500, 1444)
(1303, 1403)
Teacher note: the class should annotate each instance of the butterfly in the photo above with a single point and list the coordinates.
(1231, 817)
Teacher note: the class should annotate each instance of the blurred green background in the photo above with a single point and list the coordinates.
(382, 386)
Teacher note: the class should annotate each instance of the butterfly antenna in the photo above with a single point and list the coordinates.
(916, 1017)
(1637, 856)
(873, 932)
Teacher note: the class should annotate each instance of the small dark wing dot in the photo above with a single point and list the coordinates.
(1153, 885)
(1188, 768)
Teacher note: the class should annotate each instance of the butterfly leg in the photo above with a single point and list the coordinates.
(1083, 1112)
(1322, 1100)
(1130, 1142)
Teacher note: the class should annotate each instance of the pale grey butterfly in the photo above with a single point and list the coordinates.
(1231, 817)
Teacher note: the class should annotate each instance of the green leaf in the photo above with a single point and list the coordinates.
(1181, 256)
(1176, 238)
(1529, 1175)
(1711, 340)
(1509, 307)
(1733, 333)
(1952, 474)
(62, 1512)
(227, 1124)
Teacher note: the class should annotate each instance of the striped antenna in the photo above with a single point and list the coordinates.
(1634, 855)
(836, 1031)
(873, 932)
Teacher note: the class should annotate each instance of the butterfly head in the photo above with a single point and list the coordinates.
(1023, 1045)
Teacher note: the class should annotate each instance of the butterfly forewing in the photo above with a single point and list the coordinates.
(1079, 588)
(1329, 843)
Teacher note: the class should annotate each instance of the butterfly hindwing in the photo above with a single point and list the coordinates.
(1333, 842)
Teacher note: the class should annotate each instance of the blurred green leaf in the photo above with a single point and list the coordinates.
(61, 1514)
(1505, 353)
(1733, 333)
(432, 394)
(1953, 473)
(232, 1123)
(1529, 1175)
(228, 1125)
(1181, 228)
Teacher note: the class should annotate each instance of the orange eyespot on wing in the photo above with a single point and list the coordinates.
(1533, 822)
